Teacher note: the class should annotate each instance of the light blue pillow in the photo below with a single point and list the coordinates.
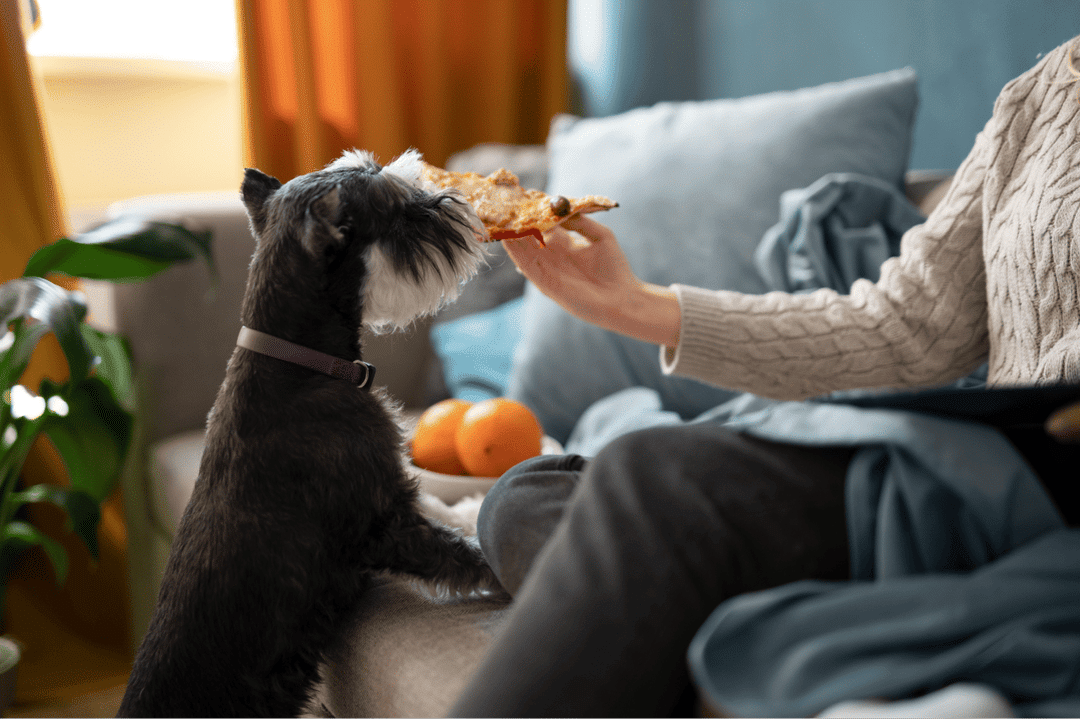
(476, 351)
(698, 184)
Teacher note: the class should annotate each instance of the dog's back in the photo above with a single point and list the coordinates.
(268, 556)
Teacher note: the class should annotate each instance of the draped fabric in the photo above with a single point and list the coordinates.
(58, 626)
(386, 75)
(32, 216)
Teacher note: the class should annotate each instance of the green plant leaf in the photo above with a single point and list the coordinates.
(62, 311)
(91, 262)
(14, 359)
(82, 510)
(18, 536)
(92, 438)
(126, 248)
(115, 365)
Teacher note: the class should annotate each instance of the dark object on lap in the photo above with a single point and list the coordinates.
(1019, 412)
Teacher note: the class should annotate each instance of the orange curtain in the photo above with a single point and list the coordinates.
(322, 76)
(61, 628)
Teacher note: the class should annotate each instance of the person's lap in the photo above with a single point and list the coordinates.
(615, 562)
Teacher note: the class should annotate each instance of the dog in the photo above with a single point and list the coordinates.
(302, 498)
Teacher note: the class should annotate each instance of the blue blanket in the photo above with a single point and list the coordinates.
(962, 567)
(963, 570)
(833, 232)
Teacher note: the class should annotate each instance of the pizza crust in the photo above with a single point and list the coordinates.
(506, 208)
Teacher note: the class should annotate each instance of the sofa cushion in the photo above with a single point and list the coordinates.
(406, 654)
(174, 467)
(698, 184)
(476, 351)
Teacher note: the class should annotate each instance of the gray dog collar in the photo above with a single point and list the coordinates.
(359, 373)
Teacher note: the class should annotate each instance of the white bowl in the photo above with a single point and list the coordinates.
(451, 488)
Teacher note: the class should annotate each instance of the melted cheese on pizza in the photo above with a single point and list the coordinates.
(506, 208)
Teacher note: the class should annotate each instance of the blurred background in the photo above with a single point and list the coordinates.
(153, 92)
(161, 97)
(625, 54)
(138, 97)
(146, 97)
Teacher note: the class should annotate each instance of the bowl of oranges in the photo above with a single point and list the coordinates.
(459, 448)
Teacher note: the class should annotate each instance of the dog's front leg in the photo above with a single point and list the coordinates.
(438, 555)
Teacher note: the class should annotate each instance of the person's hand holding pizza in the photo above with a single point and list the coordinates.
(588, 275)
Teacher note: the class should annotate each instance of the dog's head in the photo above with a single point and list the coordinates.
(407, 247)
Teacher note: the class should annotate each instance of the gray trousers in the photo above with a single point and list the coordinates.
(615, 562)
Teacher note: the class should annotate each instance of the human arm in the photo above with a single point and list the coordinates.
(924, 323)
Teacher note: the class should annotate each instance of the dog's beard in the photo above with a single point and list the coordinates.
(393, 295)
(393, 298)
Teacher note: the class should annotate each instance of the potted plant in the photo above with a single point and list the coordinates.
(88, 417)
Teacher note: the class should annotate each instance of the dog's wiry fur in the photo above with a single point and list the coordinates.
(302, 497)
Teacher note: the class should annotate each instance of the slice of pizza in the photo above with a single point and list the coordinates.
(506, 208)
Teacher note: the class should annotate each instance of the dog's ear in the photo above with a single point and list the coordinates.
(255, 191)
(321, 223)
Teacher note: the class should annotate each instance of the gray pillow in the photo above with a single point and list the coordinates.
(698, 184)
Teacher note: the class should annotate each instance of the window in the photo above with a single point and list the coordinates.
(196, 31)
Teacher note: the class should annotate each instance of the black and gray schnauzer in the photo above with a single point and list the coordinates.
(302, 498)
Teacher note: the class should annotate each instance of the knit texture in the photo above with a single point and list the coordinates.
(992, 274)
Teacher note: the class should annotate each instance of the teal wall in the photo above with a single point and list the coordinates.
(629, 53)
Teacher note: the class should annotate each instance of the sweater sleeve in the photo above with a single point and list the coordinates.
(923, 322)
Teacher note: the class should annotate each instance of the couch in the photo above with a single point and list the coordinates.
(700, 183)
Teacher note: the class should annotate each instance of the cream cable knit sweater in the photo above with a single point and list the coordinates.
(993, 273)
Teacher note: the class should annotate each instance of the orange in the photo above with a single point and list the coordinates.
(495, 435)
(433, 442)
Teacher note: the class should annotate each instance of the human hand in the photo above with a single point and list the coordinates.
(1064, 425)
(588, 275)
